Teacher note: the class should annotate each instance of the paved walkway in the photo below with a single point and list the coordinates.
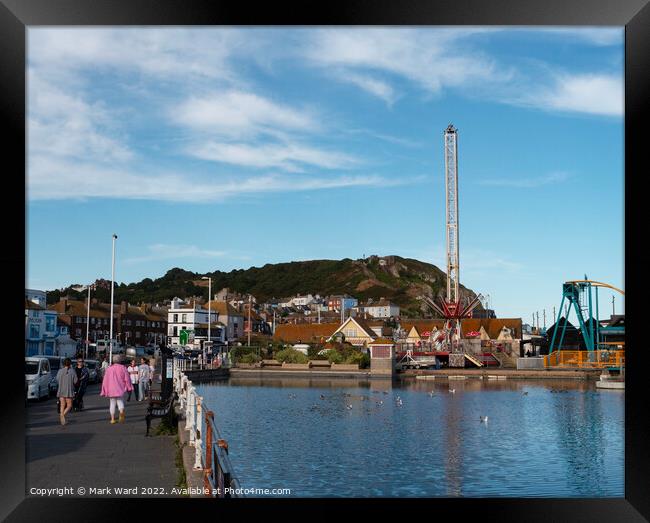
(88, 452)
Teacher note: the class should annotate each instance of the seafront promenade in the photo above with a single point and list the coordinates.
(93, 458)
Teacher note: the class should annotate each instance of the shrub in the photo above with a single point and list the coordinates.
(238, 352)
(313, 353)
(291, 356)
(250, 358)
(335, 356)
(359, 358)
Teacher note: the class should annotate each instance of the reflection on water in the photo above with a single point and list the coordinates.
(348, 437)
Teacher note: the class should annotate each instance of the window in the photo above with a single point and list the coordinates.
(184, 318)
(175, 318)
(34, 331)
(175, 331)
(50, 324)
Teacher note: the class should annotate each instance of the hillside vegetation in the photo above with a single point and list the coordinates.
(400, 280)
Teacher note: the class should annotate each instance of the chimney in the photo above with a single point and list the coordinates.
(64, 300)
(124, 307)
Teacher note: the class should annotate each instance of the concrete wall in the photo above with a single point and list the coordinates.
(382, 366)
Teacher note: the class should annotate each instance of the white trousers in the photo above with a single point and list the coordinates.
(119, 401)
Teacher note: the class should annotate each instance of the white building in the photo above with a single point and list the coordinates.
(194, 321)
(40, 329)
(303, 301)
(37, 297)
(382, 309)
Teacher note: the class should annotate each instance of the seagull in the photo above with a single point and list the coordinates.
(385, 392)
(525, 393)
(322, 397)
(431, 394)
(452, 391)
(484, 419)
(380, 402)
(348, 407)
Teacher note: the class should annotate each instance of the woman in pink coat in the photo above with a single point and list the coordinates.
(115, 383)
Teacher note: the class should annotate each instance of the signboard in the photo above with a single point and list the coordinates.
(183, 337)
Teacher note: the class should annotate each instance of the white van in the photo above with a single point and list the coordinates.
(37, 377)
(103, 347)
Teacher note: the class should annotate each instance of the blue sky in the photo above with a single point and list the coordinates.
(225, 148)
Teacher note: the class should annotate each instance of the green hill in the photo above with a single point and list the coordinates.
(400, 280)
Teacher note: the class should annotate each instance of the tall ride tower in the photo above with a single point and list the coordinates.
(451, 307)
(451, 191)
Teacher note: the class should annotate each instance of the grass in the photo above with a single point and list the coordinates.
(181, 478)
(165, 428)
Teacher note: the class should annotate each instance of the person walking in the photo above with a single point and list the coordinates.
(104, 366)
(144, 373)
(67, 379)
(83, 375)
(152, 368)
(134, 372)
(115, 383)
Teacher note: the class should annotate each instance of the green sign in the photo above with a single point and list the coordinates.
(184, 337)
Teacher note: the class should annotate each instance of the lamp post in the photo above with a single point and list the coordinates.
(88, 323)
(250, 301)
(110, 342)
(209, 313)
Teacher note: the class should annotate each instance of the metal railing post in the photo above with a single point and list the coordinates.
(198, 443)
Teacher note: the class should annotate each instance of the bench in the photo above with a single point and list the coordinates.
(324, 364)
(159, 408)
(345, 366)
(295, 366)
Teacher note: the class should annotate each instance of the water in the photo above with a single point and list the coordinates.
(558, 440)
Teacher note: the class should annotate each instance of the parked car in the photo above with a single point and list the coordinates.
(37, 377)
(93, 370)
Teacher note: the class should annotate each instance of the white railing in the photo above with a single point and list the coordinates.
(188, 364)
(211, 450)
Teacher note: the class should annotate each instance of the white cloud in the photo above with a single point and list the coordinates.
(52, 179)
(439, 59)
(600, 36)
(426, 57)
(162, 251)
(371, 85)
(587, 93)
(527, 183)
(63, 125)
(283, 156)
(174, 54)
(238, 113)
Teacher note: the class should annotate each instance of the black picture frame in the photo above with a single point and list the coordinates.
(17, 15)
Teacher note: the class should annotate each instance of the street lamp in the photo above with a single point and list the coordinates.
(88, 324)
(209, 313)
(110, 342)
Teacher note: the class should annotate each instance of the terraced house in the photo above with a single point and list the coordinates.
(132, 325)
